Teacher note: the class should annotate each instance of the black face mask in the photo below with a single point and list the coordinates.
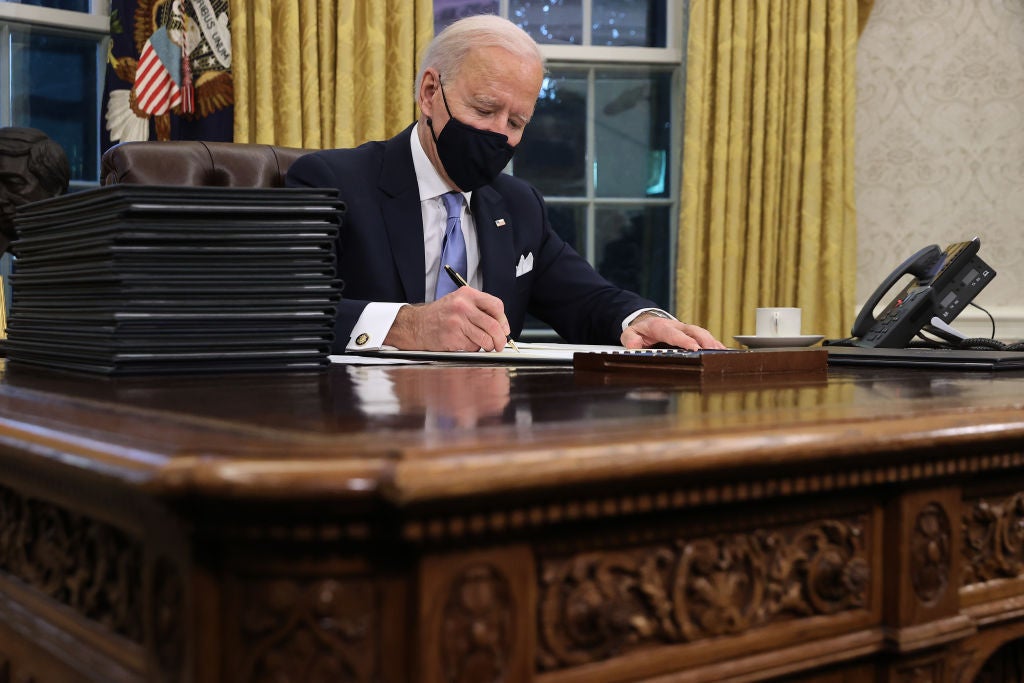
(471, 157)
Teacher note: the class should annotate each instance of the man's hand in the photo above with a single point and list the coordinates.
(648, 329)
(465, 320)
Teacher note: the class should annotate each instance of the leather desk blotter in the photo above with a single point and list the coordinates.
(730, 362)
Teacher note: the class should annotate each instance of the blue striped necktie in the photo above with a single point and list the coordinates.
(453, 251)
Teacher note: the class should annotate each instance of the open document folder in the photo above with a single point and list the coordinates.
(555, 354)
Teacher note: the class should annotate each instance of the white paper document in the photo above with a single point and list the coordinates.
(556, 354)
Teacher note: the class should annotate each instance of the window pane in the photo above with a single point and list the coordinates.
(53, 84)
(634, 250)
(633, 133)
(73, 5)
(553, 152)
(448, 11)
(638, 23)
(549, 21)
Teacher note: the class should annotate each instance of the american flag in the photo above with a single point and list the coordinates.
(155, 88)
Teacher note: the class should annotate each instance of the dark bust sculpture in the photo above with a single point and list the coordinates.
(32, 167)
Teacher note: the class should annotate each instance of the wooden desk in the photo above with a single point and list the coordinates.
(478, 524)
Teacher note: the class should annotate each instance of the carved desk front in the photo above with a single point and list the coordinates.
(426, 524)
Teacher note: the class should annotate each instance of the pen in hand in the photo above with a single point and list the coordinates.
(461, 282)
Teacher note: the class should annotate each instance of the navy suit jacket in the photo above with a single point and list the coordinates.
(380, 248)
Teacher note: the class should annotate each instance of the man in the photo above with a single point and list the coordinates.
(32, 167)
(476, 92)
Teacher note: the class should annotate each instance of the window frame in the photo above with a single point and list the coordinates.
(92, 24)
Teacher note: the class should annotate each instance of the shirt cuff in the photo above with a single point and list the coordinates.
(373, 326)
(633, 316)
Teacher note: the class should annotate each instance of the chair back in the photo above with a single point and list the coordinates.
(197, 163)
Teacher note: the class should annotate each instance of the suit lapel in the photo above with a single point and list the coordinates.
(494, 234)
(403, 219)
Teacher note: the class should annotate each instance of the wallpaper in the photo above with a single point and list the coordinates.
(940, 138)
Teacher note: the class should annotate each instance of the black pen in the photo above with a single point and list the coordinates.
(461, 282)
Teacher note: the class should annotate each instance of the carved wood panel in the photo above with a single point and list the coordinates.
(314, 631)
(478, 624)
(597, 605)
(473, 623)
(930, 558)
(993, 533)
(92, 567)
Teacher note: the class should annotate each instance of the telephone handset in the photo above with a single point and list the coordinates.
(945, 281)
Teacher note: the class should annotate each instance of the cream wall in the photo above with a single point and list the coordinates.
(940, 143)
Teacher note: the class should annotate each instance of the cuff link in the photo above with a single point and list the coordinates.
(362, 339)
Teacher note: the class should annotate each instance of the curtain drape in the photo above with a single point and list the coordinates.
(326, 73)
(767, 212)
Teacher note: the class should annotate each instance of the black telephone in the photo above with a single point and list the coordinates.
(945, 281)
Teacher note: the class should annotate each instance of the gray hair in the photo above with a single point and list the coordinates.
(448, 50)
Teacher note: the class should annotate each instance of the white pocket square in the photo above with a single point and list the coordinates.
(525, 264)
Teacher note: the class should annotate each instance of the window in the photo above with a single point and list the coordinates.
(603, 145)
(51, 72)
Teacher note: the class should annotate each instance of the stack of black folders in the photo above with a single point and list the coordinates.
(132, 279)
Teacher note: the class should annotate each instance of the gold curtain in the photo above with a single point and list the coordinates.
(767, 215)
(326, 73)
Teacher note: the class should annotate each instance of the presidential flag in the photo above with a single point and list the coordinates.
(168, 72)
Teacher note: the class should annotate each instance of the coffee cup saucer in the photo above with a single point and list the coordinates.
(756, 342)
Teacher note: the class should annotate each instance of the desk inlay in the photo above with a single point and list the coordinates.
(427, 523)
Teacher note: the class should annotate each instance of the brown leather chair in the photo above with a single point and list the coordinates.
(195, 163)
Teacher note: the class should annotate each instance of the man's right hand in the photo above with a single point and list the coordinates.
(465, 320)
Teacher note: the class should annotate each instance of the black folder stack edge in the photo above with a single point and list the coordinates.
(131, 279)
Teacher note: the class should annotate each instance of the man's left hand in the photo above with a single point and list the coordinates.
(646, 330)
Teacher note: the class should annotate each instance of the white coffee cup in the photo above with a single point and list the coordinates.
(777, 322)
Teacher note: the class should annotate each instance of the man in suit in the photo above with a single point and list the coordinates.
(435, 195)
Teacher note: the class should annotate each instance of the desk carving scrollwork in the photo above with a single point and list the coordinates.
(929, 553)
(80, 562)
(596, 605)
(477, 626)
(993, 535)
(309, 631)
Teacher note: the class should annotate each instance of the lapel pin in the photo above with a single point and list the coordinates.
(500, 222)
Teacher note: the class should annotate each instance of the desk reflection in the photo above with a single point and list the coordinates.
(449, 398)
(458, 398)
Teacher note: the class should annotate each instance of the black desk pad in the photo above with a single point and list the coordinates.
(941, 359)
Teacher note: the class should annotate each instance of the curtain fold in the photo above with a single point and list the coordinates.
(767, 197)
(326, 73)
